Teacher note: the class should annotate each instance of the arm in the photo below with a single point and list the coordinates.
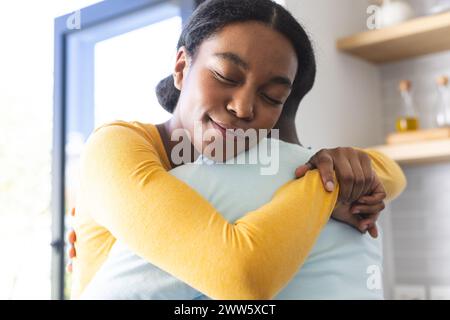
(389, 173)
(388, 183)
(167, 223)
(354, 167)
(367, 178)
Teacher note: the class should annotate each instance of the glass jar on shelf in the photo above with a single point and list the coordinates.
(443, 104)
(408, 119)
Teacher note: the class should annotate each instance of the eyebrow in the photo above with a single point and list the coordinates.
(234, 58)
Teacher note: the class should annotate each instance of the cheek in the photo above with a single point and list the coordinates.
(203, 95)
(269, 116)
(210, 91)
(194, 100)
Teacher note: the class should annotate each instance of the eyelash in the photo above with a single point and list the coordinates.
(231, 82)
(221, 77)
(272, 101)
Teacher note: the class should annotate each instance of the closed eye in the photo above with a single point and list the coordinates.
(227, 81)
(222, 78)
(272, 101)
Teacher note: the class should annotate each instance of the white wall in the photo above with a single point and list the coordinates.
(344, 107)
(420, 218)
(355, 103)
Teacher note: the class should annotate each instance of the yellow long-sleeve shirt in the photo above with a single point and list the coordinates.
(126, 193)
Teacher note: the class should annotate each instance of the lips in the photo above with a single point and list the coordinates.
(225, 126)
(218, 127)
(227, 130)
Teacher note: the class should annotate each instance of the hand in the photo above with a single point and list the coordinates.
(72, 238)
(353, 170)
(364, 213)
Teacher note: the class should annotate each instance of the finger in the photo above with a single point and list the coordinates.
(369, 173)
(359, 178)
(72, 237)
(325, 165)
(373, 231)
(379, 188)
(345, 178)
(372, 199)
(368, 209)
(301, 171)
(365, 224)
(323, 161)
(363, 216)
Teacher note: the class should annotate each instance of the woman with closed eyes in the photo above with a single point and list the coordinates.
(241, 64)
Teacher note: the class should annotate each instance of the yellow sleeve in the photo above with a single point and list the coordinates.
(163, 220)
(389, 172)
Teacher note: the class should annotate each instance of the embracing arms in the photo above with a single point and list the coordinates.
(163, 220)
(128, 192)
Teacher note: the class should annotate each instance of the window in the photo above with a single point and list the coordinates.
(107, 69)
(128, 68)
(26, 79)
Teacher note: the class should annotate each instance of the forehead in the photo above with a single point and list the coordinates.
(263, 48)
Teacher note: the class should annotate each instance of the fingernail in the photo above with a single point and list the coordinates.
(330, 186)
(362, 201)
(356, 212)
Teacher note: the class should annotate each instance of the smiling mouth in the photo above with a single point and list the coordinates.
(228, 130)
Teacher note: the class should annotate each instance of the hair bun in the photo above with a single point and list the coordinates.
(167, 94)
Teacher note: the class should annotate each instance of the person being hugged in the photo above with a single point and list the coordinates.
(241, 64)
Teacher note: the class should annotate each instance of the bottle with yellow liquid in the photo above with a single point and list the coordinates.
(408, 120)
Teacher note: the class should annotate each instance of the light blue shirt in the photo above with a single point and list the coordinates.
(343, 264)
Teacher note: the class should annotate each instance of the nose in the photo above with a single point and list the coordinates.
(242, 106)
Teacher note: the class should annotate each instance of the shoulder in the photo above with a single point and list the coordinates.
(290, 152)
(123, 129)
(122, 142)
(118, 136)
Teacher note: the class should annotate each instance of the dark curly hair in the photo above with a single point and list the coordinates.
(213, 15)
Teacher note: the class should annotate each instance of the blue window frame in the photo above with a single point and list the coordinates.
(74, 89)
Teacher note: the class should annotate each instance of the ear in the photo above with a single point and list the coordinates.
(181, 67)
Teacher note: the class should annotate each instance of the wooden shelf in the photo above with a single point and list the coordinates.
(412, 38)
(418, 152)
